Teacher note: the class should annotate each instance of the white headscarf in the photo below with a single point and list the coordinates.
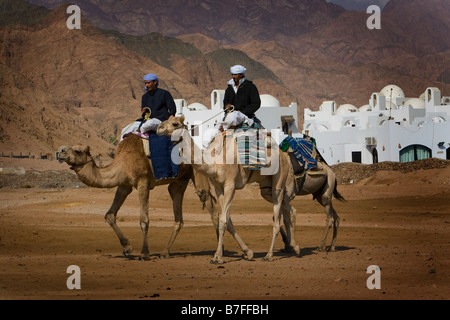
(238, 69)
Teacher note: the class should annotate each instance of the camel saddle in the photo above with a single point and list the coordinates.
(304, 157)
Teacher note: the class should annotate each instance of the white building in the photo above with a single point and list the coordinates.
(199, 118)
(390, 128)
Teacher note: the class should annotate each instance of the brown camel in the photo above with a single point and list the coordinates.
(219, 162)
(322, 184)
(132, 169)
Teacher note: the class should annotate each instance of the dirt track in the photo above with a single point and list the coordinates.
(399, 222)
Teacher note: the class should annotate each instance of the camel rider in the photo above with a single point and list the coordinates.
(162, 106)
(242, 95)
(159, 101)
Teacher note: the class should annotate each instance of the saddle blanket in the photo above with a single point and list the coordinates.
(251, 147)
(160, 155)
(303, 150)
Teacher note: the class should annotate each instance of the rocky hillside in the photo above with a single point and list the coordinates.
(355, 172)
(62, 86)
(230, 21)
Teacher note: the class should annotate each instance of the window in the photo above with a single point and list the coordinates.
(414, 152)
(448, 154)
(356, 156)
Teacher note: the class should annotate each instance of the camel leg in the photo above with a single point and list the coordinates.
(248, 254)
(286, 234)
(176, 191)
(327, 227)
(324, 197)
(202, 189)
(277, 202)
(208, 201)
(332, 217)
(332, 221)
(225, 198)
(144, 194)
(110, 217)
(335, 219)
(290, 219)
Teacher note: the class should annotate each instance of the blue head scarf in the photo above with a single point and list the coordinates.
(151, 77)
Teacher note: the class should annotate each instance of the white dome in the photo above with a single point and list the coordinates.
(364, 108)
(197, 106)
(390, 105)
(397, 92)
(346, 109)
(269, 101)
(416, 103)
(422, 96)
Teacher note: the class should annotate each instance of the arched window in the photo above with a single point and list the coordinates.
(414, 152)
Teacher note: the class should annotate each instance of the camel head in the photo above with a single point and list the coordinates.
(76, 157)
(170, 126)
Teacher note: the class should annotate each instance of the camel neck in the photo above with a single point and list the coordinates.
(94, 176)
(193, 153)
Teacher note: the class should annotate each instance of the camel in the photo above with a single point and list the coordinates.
(229, 176)
(132, 169)
(322, 184)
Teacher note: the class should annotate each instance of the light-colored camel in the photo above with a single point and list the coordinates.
(132, 169)
(219, 162)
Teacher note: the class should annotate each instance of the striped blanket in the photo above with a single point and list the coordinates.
(251, 146)
(303, 150)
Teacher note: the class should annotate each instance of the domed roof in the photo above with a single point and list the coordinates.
(390, 105)
(365, 107)
(269, 101)
(397, 92)
(196, 106)
(346, 109)
(416, 103)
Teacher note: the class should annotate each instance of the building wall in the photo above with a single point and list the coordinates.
(392, 123)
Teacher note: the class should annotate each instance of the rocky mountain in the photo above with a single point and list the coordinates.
(62, 86)
(207, 71)
(230, 21)
(345, 61)
(359, 5)
(20, 12)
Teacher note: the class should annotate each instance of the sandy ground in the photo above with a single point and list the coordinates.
(399, 223)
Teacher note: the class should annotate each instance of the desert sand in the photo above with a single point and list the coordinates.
(398, 222)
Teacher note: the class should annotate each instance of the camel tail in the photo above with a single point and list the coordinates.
(337, 195)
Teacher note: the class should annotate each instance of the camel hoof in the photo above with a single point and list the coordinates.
(331, 249)
(249, 255)
(126, 254)
(144, 257)
(165, 255)
(217, 260)
(267, 258)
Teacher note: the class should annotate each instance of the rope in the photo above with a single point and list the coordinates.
(195, 127)
(147, 113)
